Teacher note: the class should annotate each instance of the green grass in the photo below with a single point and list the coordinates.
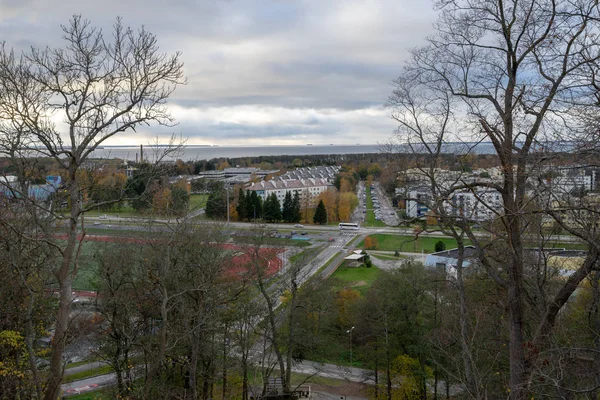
(408, 244)
(359, 278)
(197, 201)
(370, 217)
(426, 244)
(386, 257)
(106, 369)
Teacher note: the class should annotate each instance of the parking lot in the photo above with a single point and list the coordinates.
(382, 207)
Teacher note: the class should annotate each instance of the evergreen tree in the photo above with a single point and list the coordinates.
(216, 205)
(320, 214)
(249, 214)
(181, 200)
(272, 208)
(254, 209)
(241, 206)
(296, 208)
(287, 207)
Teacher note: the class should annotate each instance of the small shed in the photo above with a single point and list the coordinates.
(355, 259)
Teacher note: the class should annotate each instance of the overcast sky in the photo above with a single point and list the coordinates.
(259, 72)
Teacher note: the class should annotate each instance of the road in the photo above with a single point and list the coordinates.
(137, 224)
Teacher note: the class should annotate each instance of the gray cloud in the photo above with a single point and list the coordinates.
(279, 70)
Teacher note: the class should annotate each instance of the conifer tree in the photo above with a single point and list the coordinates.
(296, 208)
(272, 208)
(287, 207)
(241, 206)
(320, 214)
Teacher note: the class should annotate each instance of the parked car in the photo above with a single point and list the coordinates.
(103, 216)
(294, 232)
(303, 233)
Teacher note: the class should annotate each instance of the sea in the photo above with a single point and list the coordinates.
(197, 153)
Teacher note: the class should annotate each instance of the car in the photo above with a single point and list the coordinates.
(299, 226)
(103, 216)
(331, 239)
(294, 232)
(303, 233)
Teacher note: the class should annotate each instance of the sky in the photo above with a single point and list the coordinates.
(259, 72)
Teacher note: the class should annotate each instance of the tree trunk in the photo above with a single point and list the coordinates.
(63, 277)
(158, 360)
(515, 305)
(224, 375)
(290, 344)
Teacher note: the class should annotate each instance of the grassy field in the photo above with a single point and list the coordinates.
(424, 244)
(359, 278)
(386, 257)
(197, 201)
(87, 276)
(370, 218)
(105, 369)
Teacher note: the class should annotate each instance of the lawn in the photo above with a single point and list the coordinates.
(424, 244)
(370, 218)
(359, 278)
(386, 257)
(197, 201)
(105, 369)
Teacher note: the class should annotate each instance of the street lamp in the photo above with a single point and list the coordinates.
(350, 332)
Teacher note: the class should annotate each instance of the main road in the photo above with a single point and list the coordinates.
(130, 223)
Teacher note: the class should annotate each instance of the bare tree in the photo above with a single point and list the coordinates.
(517, 75)
(98, 87)
(279, 293)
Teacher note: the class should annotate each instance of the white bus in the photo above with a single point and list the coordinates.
(348, 225)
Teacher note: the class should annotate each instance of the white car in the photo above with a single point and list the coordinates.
(103, 216)
(299, 226)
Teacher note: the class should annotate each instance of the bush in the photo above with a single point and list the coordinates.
(396, 254)
(368, 262)
(440, 246)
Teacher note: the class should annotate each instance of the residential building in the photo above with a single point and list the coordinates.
(326, 173)
(233, 176)
(308, 189)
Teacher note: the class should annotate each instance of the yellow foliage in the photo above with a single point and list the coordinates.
(161, 201)
(345, 300)
(371, 243)
(330, 199)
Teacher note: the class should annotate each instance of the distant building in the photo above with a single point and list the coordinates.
(326, 173)
(308, 189)
(9, 188)
(446, 261)
(234, 176)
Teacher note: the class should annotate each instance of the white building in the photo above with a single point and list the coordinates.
(308, 189)
(327, 173)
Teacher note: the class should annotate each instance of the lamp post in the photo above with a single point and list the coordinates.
(254, 208)
(350, 332)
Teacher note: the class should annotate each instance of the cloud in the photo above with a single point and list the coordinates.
(291, 70)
